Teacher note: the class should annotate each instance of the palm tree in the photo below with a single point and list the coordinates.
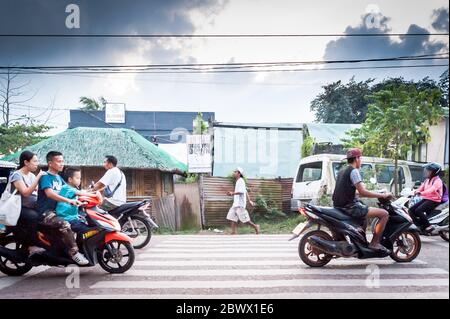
(90, 104)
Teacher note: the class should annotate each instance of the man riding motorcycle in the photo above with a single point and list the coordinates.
(349, 181)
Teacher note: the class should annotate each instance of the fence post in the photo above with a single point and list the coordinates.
(202, 199)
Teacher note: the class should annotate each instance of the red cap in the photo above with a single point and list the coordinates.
(353, 153)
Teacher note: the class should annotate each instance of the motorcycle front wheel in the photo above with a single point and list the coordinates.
(312, 256)
(406, 247)
(116, 257)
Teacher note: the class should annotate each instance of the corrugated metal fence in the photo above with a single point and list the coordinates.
(217, 202)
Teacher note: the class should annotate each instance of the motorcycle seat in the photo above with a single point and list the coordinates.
(333, 212)
(125, 207)
(441, 207)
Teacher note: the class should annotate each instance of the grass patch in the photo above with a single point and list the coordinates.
(282, 225)
(168, 231)
(275, 226)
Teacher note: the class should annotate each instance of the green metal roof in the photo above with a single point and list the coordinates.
(330, 132)
(84, 146)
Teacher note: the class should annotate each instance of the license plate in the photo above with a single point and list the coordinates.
(297, 230)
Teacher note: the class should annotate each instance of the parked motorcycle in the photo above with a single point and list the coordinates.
(338, 235)
(103, 244)
(135, 222)
(438, 217)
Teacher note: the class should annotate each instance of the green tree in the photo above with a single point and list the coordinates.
(398, 118)
(342, 103)
(17, 136)
(443, 86)
(307, 146)
(90, 104)
(200, 127)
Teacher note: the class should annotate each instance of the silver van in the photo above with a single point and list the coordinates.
(316, 176)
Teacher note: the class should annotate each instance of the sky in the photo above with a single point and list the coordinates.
(283, 97)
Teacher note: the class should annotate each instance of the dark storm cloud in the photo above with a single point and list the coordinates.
(440, 17)
(374, 47)
(96, 17)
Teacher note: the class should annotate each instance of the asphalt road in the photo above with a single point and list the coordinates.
(244, 266)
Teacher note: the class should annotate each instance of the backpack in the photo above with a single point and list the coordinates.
(444, 197)
(444, 193)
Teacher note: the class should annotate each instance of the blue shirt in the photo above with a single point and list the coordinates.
(64, 210)
(54, 182)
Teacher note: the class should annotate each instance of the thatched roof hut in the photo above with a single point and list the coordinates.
(87, 147)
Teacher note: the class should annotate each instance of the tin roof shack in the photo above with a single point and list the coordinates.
(328, 137)
(5, 169)
(263, 150)
(149, 170)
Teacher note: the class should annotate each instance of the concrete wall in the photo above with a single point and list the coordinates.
(437, 148)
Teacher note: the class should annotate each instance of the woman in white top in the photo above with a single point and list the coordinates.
(26, 184)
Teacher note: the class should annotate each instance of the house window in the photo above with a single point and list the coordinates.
(167, 183)
(129, 176)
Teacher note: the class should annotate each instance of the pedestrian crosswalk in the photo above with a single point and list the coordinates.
(265, 266)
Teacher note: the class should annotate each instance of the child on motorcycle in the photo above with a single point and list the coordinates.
(71, 191)
(431, 191)
(48, 197)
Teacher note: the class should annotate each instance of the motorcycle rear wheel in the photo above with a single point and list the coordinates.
(310, 255)
(444, 235)
(143, 228)
(111, 260)
(411, 251)
(9, 267)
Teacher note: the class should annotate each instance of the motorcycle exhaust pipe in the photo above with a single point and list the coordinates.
(340, 248)
(438, 229)
(154, 225)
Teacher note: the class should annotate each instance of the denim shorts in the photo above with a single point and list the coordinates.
(356, 210)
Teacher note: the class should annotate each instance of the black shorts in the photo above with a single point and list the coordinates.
(356, 210)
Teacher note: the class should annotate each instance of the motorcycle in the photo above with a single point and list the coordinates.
(437, 218)
(103, 244)
(346, 237)
(135, 222)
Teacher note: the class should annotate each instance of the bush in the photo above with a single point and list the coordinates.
(307, 146)
(269, 211)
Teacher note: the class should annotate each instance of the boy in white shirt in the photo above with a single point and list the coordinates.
(238, 212)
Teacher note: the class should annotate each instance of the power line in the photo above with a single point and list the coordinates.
(234, 71)
(140, 67)
(304, 35)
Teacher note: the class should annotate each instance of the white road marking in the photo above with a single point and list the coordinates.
(9, 281)
(337, 295)
(265, 262)
(276, 272)
(239, 284)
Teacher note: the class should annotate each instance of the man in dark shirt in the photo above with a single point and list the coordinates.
(344, 197)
